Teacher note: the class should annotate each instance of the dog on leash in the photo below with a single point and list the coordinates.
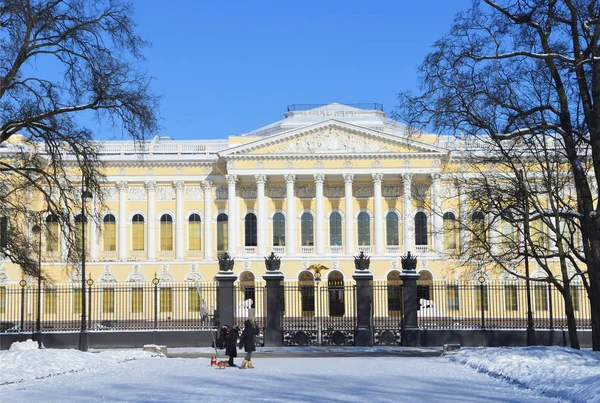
(222, 364)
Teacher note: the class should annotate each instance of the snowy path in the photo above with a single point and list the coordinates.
(355, 379)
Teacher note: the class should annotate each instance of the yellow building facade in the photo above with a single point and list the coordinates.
(319, 186)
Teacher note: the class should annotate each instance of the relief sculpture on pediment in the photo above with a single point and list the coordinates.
(333, 142)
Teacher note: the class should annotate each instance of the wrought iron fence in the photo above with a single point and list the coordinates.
(388, 308)
(497, 305)
(111, 306)
(318, 313)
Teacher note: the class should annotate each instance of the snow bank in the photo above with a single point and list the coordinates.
(24, 361)
(553, 371)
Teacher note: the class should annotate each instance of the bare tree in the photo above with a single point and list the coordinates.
(512, 70)
(61, 61)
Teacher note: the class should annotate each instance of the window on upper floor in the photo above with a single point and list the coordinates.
(335, 229)
(138, 235)
(250, 230)
(392, 229)
(109, 234)
(449, 231)
(421, 237)
(3, 232)
(166, 232)
(278, 229)
(52, 233)
(307, 229)
(222, 226)
(194, 232)
(364, 229)
(479, 233)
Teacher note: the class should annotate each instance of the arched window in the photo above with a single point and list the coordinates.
(364, 229)
(109, 234)
(307, 293)
(335, 286)
(391, 229)
(278, 229)
(138, 235)
(3, 231)
(394, 293)
(250, 230)
(424, 286)
(335, 229)
(52, 233)
(79, 220)
(421, 229)
(449, 231)
(194, 232)
(166, 232)
(222, 225)
(307, 231)
(478, 221)
(507, 231)
(248, 286)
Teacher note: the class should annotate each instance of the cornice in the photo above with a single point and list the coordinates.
(340, 156)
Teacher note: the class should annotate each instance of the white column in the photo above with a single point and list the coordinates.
(349, 213)
(151, 190)
(122, 187)
(290, 222)
(232, 224)
(208, 227)
(464, 235)
(378, 212)
(94, 230)
(407, 214)
(179, 212)
(436, 207)
(261, 207)
(320, 213)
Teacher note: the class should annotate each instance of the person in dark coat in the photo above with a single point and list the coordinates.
(248, 343)
(231, 344)
(222, 336)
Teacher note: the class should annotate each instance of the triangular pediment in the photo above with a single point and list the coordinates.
(335, 138)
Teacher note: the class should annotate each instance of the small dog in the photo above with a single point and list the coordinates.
(222, 364)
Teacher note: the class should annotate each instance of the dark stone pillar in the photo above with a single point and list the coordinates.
(363, 333)
(226, 280)
(410, 327)
(273, 330)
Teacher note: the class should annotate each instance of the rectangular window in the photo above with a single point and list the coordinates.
(540, 293)
(452, 298)
(222, 229)
(308, 298)
(511, 301)
(2, 299)
(194, 232)
(278, 232)
(77, 300)
(108, 300)
(482, 293)
(51, 236)
(110, 236)
(50, 301)
(166, 299)
(137, 300)
(166, 236)
(137, 236)
(193, 300)
(3, 232)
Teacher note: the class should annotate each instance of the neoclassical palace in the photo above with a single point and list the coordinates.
(319, 186)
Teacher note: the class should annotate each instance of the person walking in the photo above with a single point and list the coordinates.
(231, 344)
(248, 343)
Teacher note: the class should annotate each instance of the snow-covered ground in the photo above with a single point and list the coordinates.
(28, 374)
(561, 372)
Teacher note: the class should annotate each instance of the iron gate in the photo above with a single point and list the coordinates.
(319, 314)
(388, 308)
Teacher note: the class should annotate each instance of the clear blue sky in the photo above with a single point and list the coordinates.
(229, 67)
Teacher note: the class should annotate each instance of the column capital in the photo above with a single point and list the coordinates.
(348, 178)
(121, 185)
(290, 178)
(319, 178)
(260, 179)
(150, 185)
(178, 185)
(407, 179)
(207, 185)
(377, 178)
(436, 176)
(231, 179)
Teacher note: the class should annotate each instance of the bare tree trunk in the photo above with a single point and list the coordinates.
(570, 314)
